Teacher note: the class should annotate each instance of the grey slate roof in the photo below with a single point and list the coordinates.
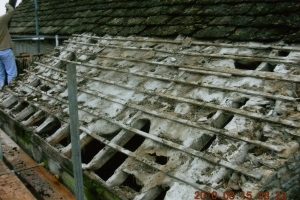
(248, 20)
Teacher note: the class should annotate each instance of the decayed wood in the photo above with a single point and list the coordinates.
(154, 165)
(252, 73)
(276, 148)
(59, 135)
(84, 140)
(207, 72)
(37, 106)
(212, 55)
(234, 89)
(179, 120)
(35, 175)
(211, 159)
(33, 119)
(250, 92)
(171, 144)
(227, 70)
(47, 122)
(9, 101)
(234, 57)
(13, 188)
(195, 102)
(218, 44)
(106, 153)
(210, 105)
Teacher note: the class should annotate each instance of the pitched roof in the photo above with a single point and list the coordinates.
(188, 115)
(248, 20)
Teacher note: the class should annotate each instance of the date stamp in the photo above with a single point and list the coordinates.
(246, 195)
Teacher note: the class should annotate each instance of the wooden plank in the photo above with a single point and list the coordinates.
(3, 168)
(11, 187)
(14, 155)
(45, 184)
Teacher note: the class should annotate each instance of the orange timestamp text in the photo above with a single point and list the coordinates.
(246, 195)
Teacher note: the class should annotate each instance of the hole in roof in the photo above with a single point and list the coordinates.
(200, 142)
(90, 150)
(27, 117)
(246, 65)
(23, 92)
(35, 83)
(210, 115)
(297, 89)
(66, 141)
(93, 41)
(163, 193)
(132, 114)
(136, 141)
(108, 169)
(209, 142)
(132, 182)
(38, 122)
(283, 53)
(161, 59)
(162, 160)
(13, 105)
(241, 102)
(222, 120)
(269, 67)
(257, 151)
(50, 128)
(152, 45)
(45, 88)
(263, 138)
(19, 108)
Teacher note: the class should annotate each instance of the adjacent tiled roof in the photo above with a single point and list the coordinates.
(248, 20)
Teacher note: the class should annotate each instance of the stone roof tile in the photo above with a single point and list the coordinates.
(202, 17)
(185, 20)
(247, 34)
(261, 9)
(215, 10)
(135, 21)
(215, 32)
(157, 20)
(132, 30)
(270, 34)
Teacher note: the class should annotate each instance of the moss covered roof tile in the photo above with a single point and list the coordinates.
(204, 19)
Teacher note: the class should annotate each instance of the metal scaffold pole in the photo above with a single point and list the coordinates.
(74, 130)
(37, 25)
(1, 154)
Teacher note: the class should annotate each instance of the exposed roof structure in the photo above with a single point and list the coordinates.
(247, 20)
(174, 97)
(176, 116)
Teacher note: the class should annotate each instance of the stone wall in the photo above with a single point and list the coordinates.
(247, 20)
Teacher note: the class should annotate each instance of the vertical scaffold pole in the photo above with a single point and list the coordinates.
(37, 32)
(1, 155)
(74, 130)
